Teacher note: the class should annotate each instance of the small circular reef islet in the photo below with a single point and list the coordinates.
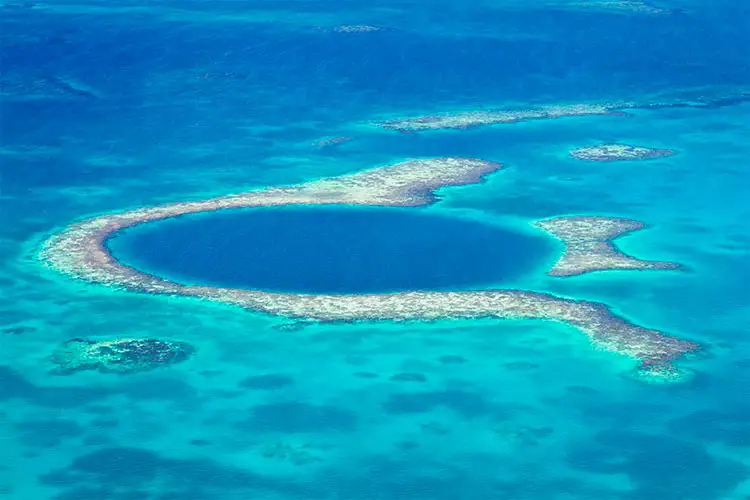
(80, 251)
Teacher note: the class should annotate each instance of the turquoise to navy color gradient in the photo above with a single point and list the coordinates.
(119, 104)
(330, 250)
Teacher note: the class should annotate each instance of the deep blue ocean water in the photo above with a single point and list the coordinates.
(115, 105)
(331, 250)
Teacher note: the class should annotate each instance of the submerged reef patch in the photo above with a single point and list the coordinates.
(355, 28)
(468, 119)
(618, 152)
(80, 252)
(627, 6)
(118, 356)
(328, 142)
(589, 247)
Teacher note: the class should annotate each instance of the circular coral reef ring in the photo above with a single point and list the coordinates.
(79, 251)
(619, 152)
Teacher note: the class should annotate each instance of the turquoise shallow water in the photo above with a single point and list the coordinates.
(117, 106)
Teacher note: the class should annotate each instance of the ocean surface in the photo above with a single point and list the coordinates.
(116, 105)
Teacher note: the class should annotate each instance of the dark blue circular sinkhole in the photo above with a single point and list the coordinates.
(329, 250)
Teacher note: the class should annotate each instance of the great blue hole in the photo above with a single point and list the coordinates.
(330, 250)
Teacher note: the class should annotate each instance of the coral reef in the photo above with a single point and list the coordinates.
(618, 152)
(687, 98)
(468, 119)
(589, 247)
(118, 356)
(80, 252)
(328, 142)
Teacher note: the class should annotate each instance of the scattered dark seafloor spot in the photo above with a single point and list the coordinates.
(408, 377)
(97, 440)
(581, 390)
(188, 495)
(267, 382)
(17, 330)
(520, 366)
(403, 480)
(614, 412)
(659, 466)
(366, 375)
(296, 454)
(523, 435)
(425, 478)
(467, 404)
(126, 470)
(731, 428)
(48, 433)
(15, 386)
(296, 417)
(452, 359)
(98, 409)
(723, 345)
(200, 442)
(434, 428)
(153, 387)
(104, 423)
(86, 493)
(407, 445)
